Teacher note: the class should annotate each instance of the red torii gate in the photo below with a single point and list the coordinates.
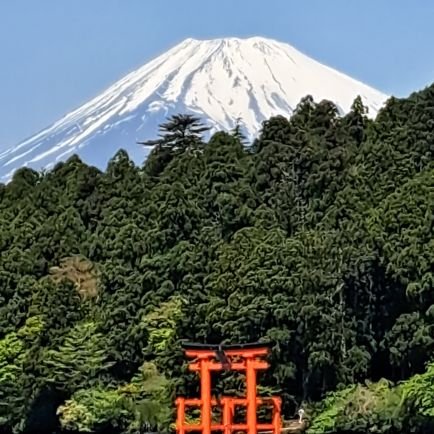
(247, 358)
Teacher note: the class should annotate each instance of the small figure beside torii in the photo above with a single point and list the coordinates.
(300, 415)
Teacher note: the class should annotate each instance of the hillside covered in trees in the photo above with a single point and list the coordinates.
(317, 238)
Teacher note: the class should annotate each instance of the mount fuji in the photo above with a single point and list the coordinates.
(219, 80)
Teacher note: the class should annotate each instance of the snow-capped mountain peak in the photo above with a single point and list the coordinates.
(220, 80)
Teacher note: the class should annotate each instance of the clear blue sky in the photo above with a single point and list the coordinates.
(56, 54)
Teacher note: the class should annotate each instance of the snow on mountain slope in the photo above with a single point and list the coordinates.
(220, 80)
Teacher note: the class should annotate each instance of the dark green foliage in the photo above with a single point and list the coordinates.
(318, 238)
(179, 134)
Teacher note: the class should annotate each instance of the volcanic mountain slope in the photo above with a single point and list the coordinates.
(220, 80)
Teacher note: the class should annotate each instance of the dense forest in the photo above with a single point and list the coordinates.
(318, 237)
